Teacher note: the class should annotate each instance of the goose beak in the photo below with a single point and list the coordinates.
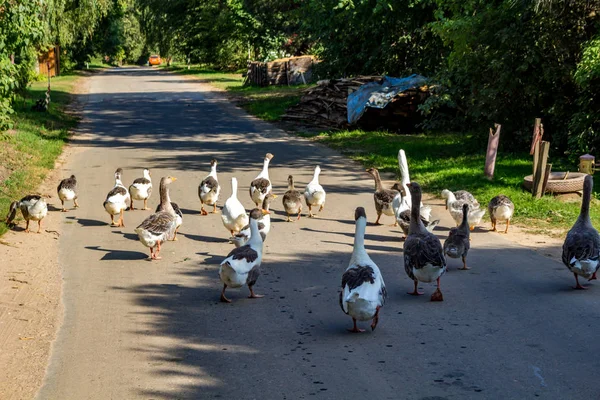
(173, 178)
(275, 196)
(265, 212)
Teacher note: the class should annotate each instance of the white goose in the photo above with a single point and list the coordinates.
(314, 194)
(33, 207)
(402, 205)
(141, 189)
(261, 185)
(455, 208)
(363, 290)
(242, 265)
(209, 189)
(501, 208)
(117, 200)
(67, 191)
(234, 215)
(264, 224)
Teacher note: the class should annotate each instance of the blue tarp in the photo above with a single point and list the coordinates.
(379, 95)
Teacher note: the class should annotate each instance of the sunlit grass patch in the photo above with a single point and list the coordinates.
(455, 162)
(29, 150)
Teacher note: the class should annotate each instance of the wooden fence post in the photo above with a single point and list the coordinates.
(540, 171)
(492, 151)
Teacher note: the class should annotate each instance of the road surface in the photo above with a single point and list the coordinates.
(510, 328)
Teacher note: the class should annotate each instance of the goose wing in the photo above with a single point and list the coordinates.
(581, 245)
(69, 183)
(421, 250)
(209, 184)
(385, 196)
(261, 184)
(159, 223)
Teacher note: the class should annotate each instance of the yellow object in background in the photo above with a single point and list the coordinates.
(586, 164)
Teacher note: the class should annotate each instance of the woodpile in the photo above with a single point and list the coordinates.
(325, 104)
(284, 71)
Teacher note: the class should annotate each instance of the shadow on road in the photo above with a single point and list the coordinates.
(302, 330)
(112, 255)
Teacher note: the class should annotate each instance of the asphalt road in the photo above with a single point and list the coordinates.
(510, 328)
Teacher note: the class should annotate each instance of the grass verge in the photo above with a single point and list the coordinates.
(268, 103)
(29, 150)
(455, 162)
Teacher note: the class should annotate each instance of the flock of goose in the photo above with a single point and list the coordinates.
(363, 290)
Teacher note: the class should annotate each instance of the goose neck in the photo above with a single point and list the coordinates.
(378, 185)
(255, 237)
(234, 188)
(359, 253)
(265, 169)
(416, 225)
(165, 199)
(584, 214)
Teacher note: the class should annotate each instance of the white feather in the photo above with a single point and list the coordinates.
(233, 214)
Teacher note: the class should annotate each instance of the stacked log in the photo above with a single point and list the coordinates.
(325, 104)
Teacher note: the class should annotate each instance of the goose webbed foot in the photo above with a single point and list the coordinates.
(203, 211)
(355, 328)
(437, 295)
(464, 267)
(254, 295)
(416, 291)
(593, 277)
(577, 284)
(224, 299)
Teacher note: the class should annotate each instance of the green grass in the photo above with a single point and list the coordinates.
(29, 150)
(268, 103)
(455, 162)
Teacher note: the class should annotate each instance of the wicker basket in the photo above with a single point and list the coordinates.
(559, 182)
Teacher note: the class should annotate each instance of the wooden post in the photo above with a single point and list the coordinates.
(538, 177)
(492, 150)
(538, 132)
(546, 177)
(536, 157)
(403, 165)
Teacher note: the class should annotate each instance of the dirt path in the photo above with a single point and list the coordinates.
(30, 290)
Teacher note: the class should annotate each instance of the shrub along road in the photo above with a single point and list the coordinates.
(511, 327)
